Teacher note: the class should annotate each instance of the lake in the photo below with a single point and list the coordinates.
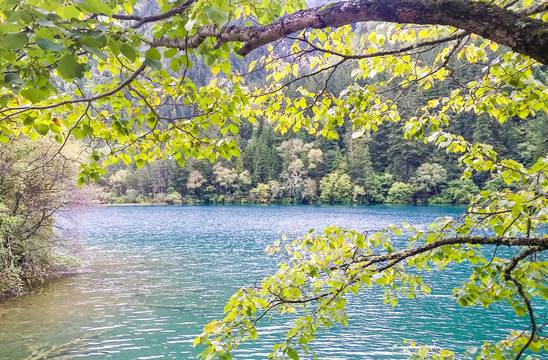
(154, 276)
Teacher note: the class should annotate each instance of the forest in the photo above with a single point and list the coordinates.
(274, 101)
(299, 167)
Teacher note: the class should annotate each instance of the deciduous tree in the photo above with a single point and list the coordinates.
(144, 106)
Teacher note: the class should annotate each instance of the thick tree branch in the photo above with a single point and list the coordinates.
(516, 30)
(399, 256)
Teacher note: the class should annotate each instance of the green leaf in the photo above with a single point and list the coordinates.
(95, 52)
(217, 15)
(520, 311)
(186, 151)
(78, 133)
(14, 41)
(151, 121)
(175, 64)
(4, 99)
(55, 128)
(12, 78)
(69, 12)
(170, 53)
(235, 151)
(49, 45)
(225, 67)
(69, 68)
(253, 333)
(140, 163)
(128, 8)
(210, 59)
(153, 53)
(33, 94)
(96, 7)
(155, 64)
(499, 229)
(129, 52)
(233, 128)
(42, 129)
(293, 354)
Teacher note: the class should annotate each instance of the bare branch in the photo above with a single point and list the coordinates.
(142, 20)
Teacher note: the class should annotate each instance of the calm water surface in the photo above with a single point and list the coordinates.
(157, 275)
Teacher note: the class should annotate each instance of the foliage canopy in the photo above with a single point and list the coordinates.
(113, 74)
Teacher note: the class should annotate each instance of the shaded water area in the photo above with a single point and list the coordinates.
(156, 275)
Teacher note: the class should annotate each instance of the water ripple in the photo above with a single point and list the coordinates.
(159, 274)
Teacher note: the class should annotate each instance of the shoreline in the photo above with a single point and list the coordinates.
(139, 204)
(275, 204)
(52, 276)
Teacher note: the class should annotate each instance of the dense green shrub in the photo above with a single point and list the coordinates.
(400, 193)
(459, 192)
(174, 198)
(337, 187)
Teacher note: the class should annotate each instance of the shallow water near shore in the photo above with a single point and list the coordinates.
(154, 276)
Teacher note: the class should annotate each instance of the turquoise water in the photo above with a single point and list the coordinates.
(154, 276)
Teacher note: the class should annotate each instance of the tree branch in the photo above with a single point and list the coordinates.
(536, 245)
(516, 30)
(142, 20)
(542, 7)
(399, 256)
(456, 36)
(23, 109)
(508, 276)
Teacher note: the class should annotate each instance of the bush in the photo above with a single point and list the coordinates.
(159, 198)
(262, 193)
(130, 197)
(110, 198)
(459, 192)
(400, 193)
(173, 198)
(142, 199)
(336, 187)
(191, 200)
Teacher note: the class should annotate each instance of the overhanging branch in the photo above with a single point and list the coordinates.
(534, 245)
(516, 30)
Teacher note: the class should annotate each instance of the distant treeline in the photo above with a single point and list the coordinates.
(302, 168)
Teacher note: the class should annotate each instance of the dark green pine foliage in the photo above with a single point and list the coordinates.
(266, 163)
